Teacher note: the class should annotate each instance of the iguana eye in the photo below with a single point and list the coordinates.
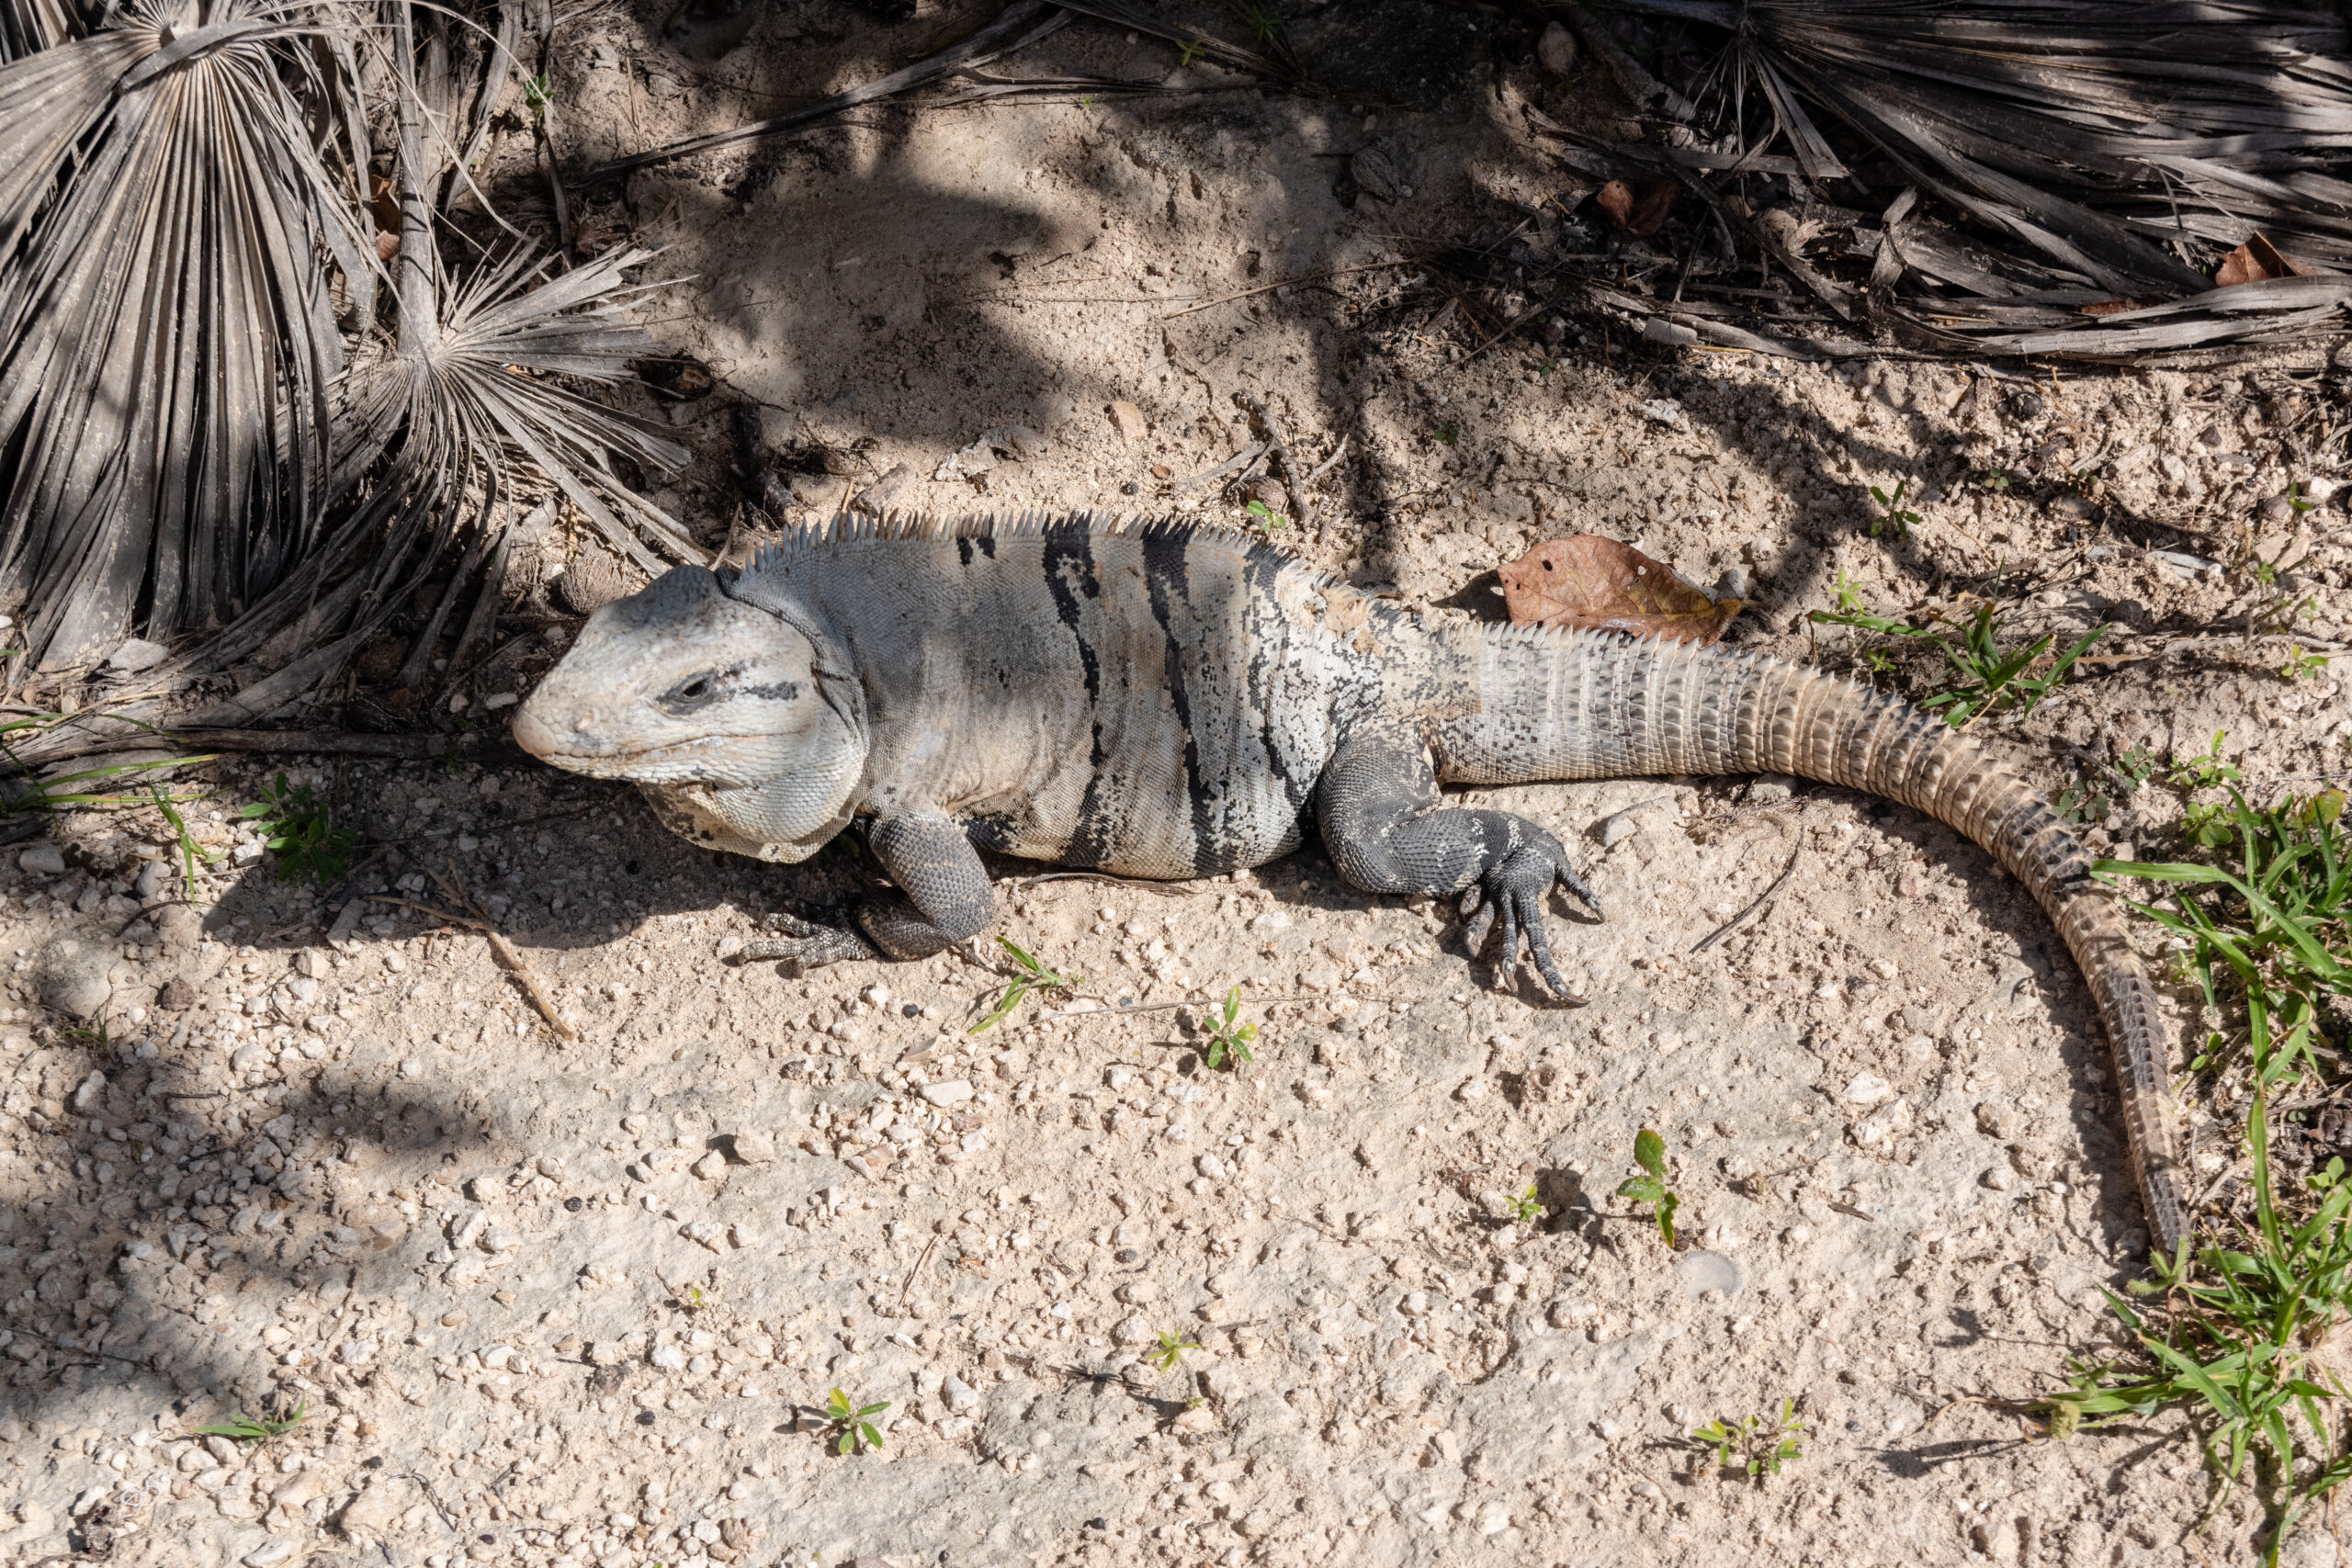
(695, 692)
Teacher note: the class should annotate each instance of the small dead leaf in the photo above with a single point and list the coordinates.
(1615, 201)
(1588, 582)
(1128, 420)
(2258, 261)
(1649, 213)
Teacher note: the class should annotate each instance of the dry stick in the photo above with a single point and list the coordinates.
(1241, 459)
(1330, 462)
(507, 953)
(996, 38)
(1301, 503)
(324, 742)
(1285, 282)
(1728, 926)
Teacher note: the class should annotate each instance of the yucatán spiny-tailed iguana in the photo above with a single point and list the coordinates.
(1156, 700)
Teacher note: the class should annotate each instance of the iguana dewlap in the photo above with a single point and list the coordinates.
(1160, 701)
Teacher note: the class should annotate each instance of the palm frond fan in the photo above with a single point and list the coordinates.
(2075, 166)
(220, 411)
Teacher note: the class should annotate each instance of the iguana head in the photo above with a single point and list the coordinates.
(681, 685)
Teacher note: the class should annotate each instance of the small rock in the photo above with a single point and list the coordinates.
(1556, 50)
(960, 1397)
(1134, 1330)
(1376, 173)
(888, 492)
(1700, 1271)
(71, 975)
(1472, 1092)
(1211, 1166)
(952, 1092)
(1883, 1126)
(593, 581)
(136, 655)
(1667, 412)
(1128, 420)
(753, 1147)
(153, 878)
(1140, 1293)
(42, 859)
(180, 925)
(91, 1095)
(1869, 1089)
(269, 1553)
(1770, 789)
(1999, 1178)
(1996, 1120)
(729, 945)
(1416, 1303)
(2071, 507)
(711, 1167)
(669, 1358)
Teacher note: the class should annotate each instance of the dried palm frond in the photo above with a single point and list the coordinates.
(2043, 156)
(181, 444)
(167, 336)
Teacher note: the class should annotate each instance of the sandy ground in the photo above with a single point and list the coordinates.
(560, 1302)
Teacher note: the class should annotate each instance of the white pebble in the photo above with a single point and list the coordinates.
(1869, 1089)
(952, 1092)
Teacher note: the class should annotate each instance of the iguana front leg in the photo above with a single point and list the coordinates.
(1389, 830)
(945, 897)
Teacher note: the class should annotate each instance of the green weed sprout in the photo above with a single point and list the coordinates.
(1268, 518)
(1229, 1038)
(1031, 976)
(1649, 1153)
(1895, 520)
(300, 830)
(251, 1428)
(1990, 679)
(853, 1430)
(1170, 1352)
(1754, 1443)
(1527, 1208)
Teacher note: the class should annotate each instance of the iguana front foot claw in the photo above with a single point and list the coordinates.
(1515, 888)
(807, 945)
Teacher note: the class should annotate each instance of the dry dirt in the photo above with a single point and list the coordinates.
(560, 1302)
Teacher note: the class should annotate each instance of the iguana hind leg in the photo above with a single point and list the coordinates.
(1389, 830)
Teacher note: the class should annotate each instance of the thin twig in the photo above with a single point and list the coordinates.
(917, 1267)
(1285, 282)
(1241, 459)
(1762, 899)
(1330, 463)
(1276, 447)
(508, 955)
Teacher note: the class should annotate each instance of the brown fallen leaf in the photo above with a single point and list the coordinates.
(2258, 261)
(1588, 582)
(1649, 213)
(1615, 201)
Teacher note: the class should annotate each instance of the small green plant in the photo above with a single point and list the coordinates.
(1229, 1038)
(1995, 479)
(1894, 519)
(1029, 975)
(1649, 1153)
(852, 1430)
(1264, 23)
(2133, 767)
(1188, 50)
(2300, 664)
(251, 1429)
(1170, 1352)
(300, 830)
(1990, 678)
(2204, 769)
(1527, 1208)
(1757, 1444)
(1268, 518)
(1449, 431)
(1848, 594)
(190, 851)
(537, 94)
(2079, 802)
(1544, 366)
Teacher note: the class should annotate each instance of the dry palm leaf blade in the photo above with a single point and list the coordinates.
(2052, 154)
(1591, 583)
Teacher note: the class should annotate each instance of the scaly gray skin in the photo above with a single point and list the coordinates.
(1157, 700)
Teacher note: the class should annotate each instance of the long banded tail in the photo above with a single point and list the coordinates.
(1599, 704)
